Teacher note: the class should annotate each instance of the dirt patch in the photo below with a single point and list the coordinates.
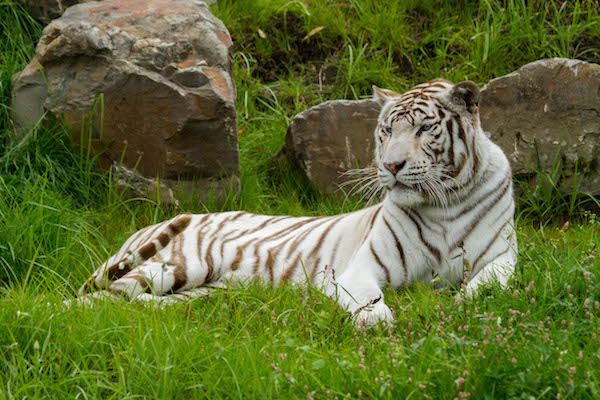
(586, 47)
(284, 47)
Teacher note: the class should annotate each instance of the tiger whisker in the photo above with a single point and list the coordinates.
(360, 186)
(360, 179)
(374, 193)
(449, 189)
(439, 197)
(370, 191)
(366, 182)
(437, 194)
(360, 171)
(365, 186)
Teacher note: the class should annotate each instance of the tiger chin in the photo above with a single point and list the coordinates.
(446, 216)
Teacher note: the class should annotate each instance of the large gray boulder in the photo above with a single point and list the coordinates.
(552, 104)
(152, 81)
(548, 111)
(332, 138)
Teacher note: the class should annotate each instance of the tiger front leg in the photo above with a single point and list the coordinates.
(358, 291)
(499, 269)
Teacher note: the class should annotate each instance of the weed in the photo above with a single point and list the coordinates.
(553, 195)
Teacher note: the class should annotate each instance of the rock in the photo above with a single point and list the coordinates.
(157, 73)
(554, 105)
(332, 138)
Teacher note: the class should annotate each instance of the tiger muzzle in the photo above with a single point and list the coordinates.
(395, 167)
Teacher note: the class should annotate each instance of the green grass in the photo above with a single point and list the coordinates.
(279, 343)
(60, 217)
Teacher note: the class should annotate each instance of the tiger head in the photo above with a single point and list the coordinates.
(426, 141)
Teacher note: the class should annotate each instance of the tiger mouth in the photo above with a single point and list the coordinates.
(403, 186)
(416, 187)
(397, 185)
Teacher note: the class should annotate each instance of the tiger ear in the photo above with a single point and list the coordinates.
(382, 96)
(466, 93)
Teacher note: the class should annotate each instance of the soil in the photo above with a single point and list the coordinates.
(299, 52)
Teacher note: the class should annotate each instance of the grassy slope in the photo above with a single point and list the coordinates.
(59, 216)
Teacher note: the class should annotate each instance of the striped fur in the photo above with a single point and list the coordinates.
(447, 214)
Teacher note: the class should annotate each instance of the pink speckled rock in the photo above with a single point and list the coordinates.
(164, 69)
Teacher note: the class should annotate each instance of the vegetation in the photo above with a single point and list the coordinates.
(60, 217)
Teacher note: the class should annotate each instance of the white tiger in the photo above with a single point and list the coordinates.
(448, 204)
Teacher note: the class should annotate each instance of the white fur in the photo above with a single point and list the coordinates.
(343, 255)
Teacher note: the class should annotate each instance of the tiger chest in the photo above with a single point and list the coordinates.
(428, 255)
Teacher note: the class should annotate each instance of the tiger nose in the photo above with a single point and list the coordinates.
(394, 167)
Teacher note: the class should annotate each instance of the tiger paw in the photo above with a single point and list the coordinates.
(373, 314)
